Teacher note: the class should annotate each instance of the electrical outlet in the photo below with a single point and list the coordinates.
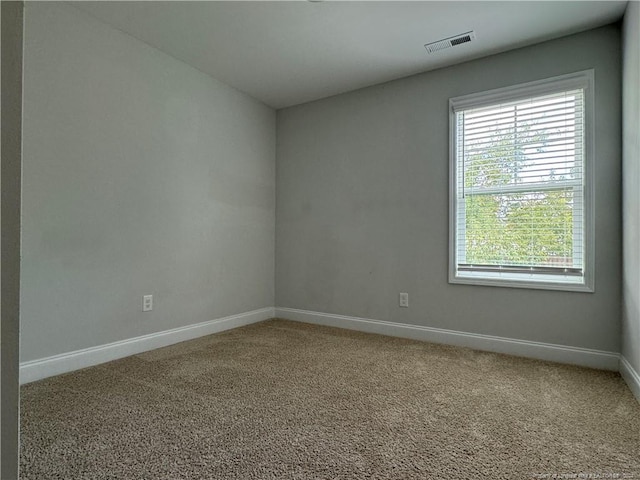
(404, 300)
(147, 303)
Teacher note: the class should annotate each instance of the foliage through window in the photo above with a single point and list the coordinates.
(520, 195)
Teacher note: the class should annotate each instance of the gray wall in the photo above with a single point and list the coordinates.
(141, 176)
(11, 100)
(362, 203)
(631, 192)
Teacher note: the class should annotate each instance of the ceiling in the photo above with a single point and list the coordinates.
(286, 53)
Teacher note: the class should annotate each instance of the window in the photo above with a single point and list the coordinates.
(521, 185)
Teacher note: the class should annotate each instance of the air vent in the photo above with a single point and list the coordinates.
(450, 42)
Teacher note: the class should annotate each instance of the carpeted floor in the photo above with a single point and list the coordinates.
(285, 400)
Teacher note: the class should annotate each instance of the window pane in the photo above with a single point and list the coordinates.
(530, 228)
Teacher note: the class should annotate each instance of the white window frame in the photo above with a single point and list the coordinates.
(579, 80)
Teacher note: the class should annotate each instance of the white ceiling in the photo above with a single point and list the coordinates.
(285, 53)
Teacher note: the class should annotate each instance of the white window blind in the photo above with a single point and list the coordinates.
(520, 188)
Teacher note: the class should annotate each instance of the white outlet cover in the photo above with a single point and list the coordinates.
(147, 303)
(404, 299)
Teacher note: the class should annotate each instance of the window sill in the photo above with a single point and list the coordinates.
(523, 280)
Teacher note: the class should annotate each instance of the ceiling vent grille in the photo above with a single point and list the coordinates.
(450, 42)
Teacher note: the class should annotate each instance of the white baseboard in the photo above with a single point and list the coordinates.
(47, 367)
(630, 376)
(522, 348)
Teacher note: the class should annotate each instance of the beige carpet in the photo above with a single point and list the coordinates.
(284, 400)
